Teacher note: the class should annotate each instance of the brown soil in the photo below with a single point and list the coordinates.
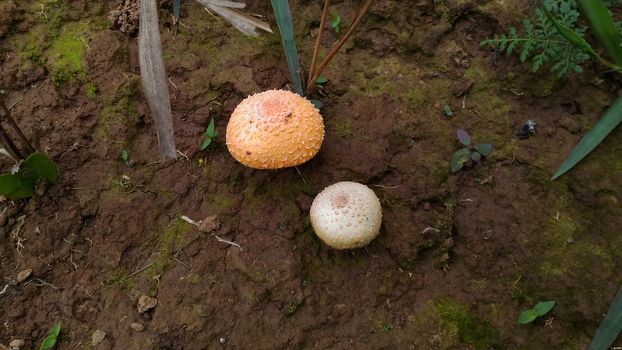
(458, 257)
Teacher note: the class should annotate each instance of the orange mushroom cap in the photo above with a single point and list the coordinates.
(274, 129)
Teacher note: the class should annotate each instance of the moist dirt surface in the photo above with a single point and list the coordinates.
(459, 256)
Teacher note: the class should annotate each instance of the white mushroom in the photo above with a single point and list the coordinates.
(346, 215)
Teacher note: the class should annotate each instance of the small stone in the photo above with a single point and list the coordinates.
(23, 275)
(222, 340)
(209, 224)
(146, 303)
(571, 124)
(461, 87)
(17, 344)
(137, 327)
(98, 337)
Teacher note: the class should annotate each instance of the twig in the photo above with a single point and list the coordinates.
(389, 187)
(227, 241)
(9, 146)
(316, 50)
(20, 135)
(428, 229)
(41, 283)
(357, 20)
(197, 225)
(137, 272)
(4, 289)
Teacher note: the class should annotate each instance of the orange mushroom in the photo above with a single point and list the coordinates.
(274, 129)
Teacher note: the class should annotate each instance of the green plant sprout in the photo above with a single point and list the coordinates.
(285, 22)
(321, 80)
(336, 23)
(50, 341)
(448, 111)
(209, 135)
(541, 309)
(24, 180)
(29, 172)
(468, 152)
(558, 39)
(125, 157)
(541, 43)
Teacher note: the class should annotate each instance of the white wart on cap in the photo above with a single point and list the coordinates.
(346, 215)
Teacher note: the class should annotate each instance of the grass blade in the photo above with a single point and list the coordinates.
(595, 136)
(603, 27)
(176, 9)
(153, 76)
(611, 326)
(284, 20)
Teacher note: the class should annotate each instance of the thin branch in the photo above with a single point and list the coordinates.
(9, 146)
(316, 50)
(22, 138)
(357, 20)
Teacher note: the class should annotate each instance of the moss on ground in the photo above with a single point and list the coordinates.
(450, 324)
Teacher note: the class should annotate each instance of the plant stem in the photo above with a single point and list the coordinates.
(357, 20)
(9, 146)
(316, 50)
(22, 138)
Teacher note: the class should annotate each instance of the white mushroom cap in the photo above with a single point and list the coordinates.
(346, 215)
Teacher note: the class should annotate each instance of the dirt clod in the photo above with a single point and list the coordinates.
(23, 275)
(209, 224)
(137, 327)
(17, 344)
(97, 337)
(146, 303)
(125, 17)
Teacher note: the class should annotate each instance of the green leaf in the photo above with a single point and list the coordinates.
(176, 8)
(527, 316)
(206, 143)
(50, 341)
(610, 327)
(211, 129)
(543, 307)
(125, 156)
(463, 137)
(603, 27)
(321, 80)
(593, 138)
(577, 41)
(448, 111)
(38, 166)
(484, 149)
(459, 158)
(15, 186)
(476, 157)
(283, 16)
(335, 23)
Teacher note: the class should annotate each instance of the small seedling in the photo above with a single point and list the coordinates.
(50, 341)
(541, 309)
(125, 156)
(469, 151)
(209, 135)
(336, 23)
(24, 180)
(321, 80)
(448, 111)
